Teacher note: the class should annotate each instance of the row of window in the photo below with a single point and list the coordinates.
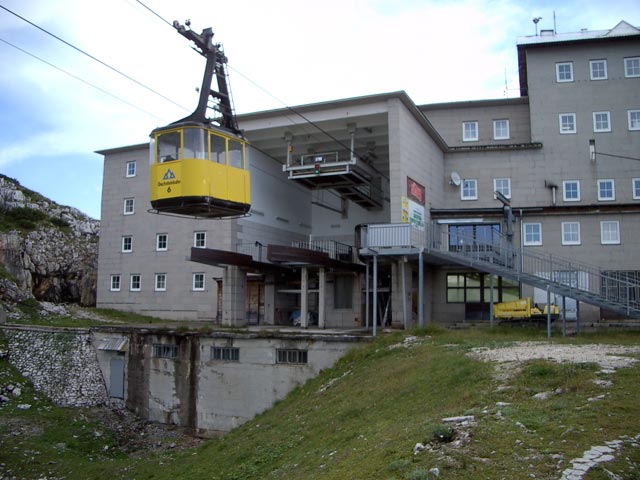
(609, 233)
(606, 189)
(597, 69)
(232, 354)
(475, 287)
(162, 241)
(160, 282)
(567, 122)
(500, 130)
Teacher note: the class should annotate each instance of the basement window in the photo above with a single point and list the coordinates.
(225, 354)
(291, 356)
(161, 350)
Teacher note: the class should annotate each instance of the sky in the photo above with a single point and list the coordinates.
(58, 109)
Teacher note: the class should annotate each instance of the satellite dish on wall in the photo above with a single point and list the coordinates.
(455, 179)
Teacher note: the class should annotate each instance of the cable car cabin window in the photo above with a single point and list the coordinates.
(236, 154)
(218, 149)
(168, 146)
(195, 143)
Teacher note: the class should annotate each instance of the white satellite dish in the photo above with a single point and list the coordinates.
(455, 179)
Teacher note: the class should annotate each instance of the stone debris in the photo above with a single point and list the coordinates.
(543, 396)
(408, 342)
(595, 456)
(418, 448)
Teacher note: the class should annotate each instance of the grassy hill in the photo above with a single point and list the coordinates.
(362, 419)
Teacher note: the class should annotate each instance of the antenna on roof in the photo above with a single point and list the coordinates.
(535, 21)
(554, 22)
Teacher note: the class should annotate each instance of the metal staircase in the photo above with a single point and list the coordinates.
(611, 290)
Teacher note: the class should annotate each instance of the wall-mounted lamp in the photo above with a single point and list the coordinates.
(592, 150)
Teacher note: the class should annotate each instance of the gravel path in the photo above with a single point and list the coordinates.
(608, 357)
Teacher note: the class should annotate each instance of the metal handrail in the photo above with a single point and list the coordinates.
(609, 289)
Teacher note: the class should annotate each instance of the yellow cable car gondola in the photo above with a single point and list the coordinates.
(199, 168)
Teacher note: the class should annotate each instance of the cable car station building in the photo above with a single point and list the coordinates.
(375, 211)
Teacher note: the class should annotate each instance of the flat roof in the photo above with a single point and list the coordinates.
(621, 30)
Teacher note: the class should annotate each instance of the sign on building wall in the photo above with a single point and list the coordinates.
(412, 213)
(415, 191)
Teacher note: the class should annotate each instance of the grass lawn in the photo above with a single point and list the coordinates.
(362, 418)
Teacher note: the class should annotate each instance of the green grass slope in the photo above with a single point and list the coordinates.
(362, 419)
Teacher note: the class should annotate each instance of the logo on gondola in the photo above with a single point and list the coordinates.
(169, 178)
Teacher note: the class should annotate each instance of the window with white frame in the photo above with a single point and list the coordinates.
(570, 233)
(503, 186)
(164, 350)
(127, 244)
(470, 131)
(634, 119)
(161, 282)
(115, 283)
(198, 282)
(200, 239)
(606, 190)
(131, 169)
(601, 122)
(136, 282)
(532, 234)
(632, 67)
(598, 69)
(610, 232)
(162, 242)
(564, 72)
(501, 129)
(567, 123)
(469, 189)
(128, 206)
(571, 190)
(636, 188)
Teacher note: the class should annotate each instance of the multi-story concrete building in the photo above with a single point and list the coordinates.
(447, 206)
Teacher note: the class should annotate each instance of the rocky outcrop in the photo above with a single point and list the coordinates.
(47, 251)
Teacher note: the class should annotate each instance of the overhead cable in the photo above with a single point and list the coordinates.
(94, 58)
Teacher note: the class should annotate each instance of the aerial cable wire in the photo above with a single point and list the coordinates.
(80, 79)
(94, 58)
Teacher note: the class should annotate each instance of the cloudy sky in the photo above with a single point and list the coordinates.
(58, 106)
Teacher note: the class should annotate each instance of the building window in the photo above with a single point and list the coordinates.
(571, 191)
(601, 122)
(503, 186)
(634, 119)
(200, 239)
(632, 67)
(474, 287)
(225, 354)
(598, 69)
(131, 169)
(564, 72)
(501, 129)
(135, 282)
(621, 285)
(161, 242)
(610, 232)
(470, 131)
(127, 244)
(636, 188)
(115, 283)
(198, 282)
(567, 123)
(161, 350)
(469, 189)
(291, 355)
(606, 190)
(128, 206)
(532, 234)
(570, 233)
(343, 291)
(161, 282)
